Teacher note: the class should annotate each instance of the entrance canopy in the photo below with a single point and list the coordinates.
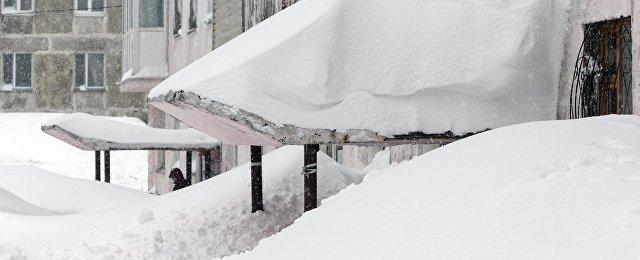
(93, 133)
(375, 72)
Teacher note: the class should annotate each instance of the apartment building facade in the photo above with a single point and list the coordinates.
(63, 56)
(160, 37)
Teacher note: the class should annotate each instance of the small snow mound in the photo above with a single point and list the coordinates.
(145, 216)
(157, 236)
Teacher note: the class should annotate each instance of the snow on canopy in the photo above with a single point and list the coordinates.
(391, 67)
(23, 142)
(90, 132)
(541, 190)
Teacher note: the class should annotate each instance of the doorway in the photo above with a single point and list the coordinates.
(602, 79)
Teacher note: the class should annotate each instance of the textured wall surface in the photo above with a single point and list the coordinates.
(53, 34)
(227, 23)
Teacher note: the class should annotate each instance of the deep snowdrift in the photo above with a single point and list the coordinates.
(23, 143)
(209, 219)
(543, 190)
(392, 67)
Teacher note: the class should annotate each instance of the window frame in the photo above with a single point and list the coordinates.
(177, 17)
(86, 73)
(14, 86)
(193, 14)
(164, 17)
(209, 14)
(127, 16)
(89, 11)
(16, 11)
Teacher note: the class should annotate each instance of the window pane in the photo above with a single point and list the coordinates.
(10, 3)
(80, 67)
(177, 16)
(193, 20)
(25, 5)
(96, 70)
(23, 70)
(7, 68)
(82, 5)
(151, 13)
(97, 5)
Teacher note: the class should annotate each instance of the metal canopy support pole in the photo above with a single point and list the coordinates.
(107, 166)
(207, 164)
(310, 176)
(97, 165)
(256, 179)
(188, 164)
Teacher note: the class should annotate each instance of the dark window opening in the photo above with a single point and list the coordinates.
(193, 17)
(177, 16)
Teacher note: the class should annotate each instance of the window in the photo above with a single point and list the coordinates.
(177, 16)
(339, 154)
(89, 6)
(209, 17)
(193, 16)
(16, 71)
(127, 18)
(159, 161)
(151, 13)
(89, 71)
(17, 6)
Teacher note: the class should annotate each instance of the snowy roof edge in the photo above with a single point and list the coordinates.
(287, 134)
(90, 144)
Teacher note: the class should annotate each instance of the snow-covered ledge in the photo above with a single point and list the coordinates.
(94, 133)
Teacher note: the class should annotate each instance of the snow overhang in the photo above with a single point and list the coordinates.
(235, 126)
(93, 133)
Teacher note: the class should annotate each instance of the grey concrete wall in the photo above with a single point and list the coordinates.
(227, 23)
(53, 38)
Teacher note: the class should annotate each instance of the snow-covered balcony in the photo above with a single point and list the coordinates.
(144, 56)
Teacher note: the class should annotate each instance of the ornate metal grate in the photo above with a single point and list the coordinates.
(602, 76)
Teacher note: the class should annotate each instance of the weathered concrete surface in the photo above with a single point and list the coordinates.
(52, 85)
(14, 24)
(227, 22)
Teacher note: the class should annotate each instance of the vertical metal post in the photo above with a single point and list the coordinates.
(188, 164)
(97, 165)
(310, 176)
(207, 164)
(107, 166)
(256, 179)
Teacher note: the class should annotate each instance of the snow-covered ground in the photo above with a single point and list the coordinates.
(542, 190)
(45, 215)
(553, 189)
(23, 143)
